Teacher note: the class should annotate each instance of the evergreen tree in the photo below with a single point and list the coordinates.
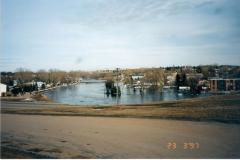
(177, 81)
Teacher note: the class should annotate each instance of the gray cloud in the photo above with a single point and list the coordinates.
(102, 31)
(113, 12)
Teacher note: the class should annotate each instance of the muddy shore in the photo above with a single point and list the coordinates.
(224, 108)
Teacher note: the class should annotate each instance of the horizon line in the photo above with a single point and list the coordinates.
(111, 68)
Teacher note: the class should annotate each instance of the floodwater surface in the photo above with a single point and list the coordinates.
(94, 94)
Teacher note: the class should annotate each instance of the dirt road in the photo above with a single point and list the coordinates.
(108, 137)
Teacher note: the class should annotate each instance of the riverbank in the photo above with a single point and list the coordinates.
(27, 97)
(221, 108)
(35, 95)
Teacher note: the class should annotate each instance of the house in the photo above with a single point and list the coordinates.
(197, 76)
(15, 83)
(3, 89)
(137, 77)
(184, 88)
(220, 84)
(40, 84)
(170, 80)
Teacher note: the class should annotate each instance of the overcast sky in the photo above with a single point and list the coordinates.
(101, 34)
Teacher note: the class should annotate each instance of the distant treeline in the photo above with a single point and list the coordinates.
(55, 76)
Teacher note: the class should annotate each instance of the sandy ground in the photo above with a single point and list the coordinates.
(108, 137)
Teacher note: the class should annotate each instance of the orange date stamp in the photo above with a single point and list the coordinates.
(185, 145)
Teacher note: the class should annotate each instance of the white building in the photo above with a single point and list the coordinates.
(137, 77)
(3, 89)
(39, 84)
(15, 82)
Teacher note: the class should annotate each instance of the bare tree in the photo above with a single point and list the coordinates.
(156, 77)
(42, 75)
(24, 75)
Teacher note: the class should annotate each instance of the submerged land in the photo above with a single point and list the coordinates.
(44, 129)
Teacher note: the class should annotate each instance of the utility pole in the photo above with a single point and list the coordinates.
(117, 72)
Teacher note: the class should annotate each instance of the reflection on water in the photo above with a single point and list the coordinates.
(93, 94)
